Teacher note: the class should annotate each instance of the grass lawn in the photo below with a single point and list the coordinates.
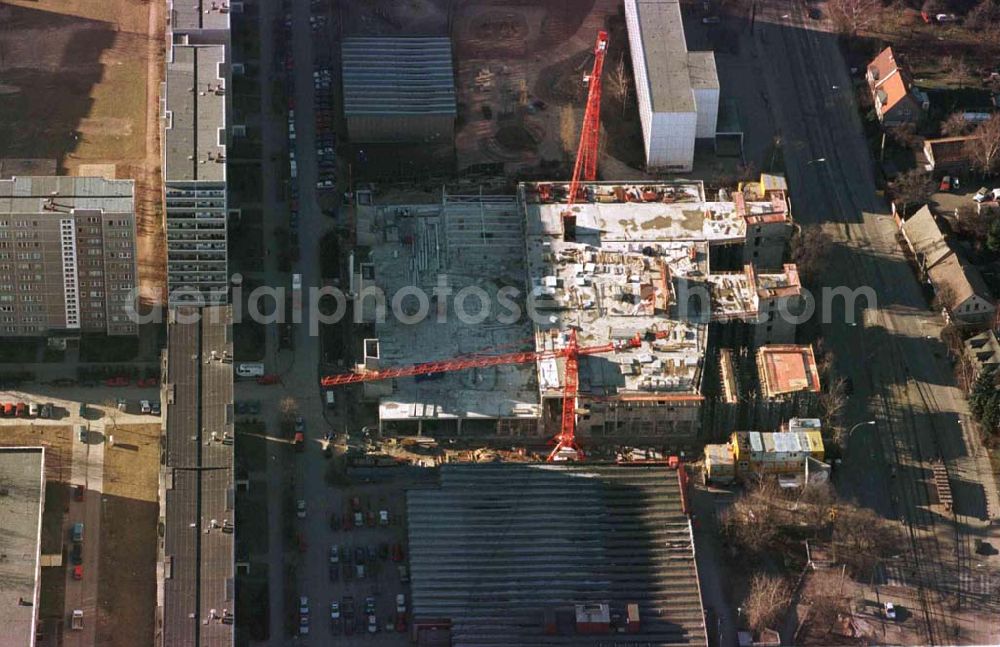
(102, 348)
(251, 515)
(19, 351)
(253, 605)
(248, 340)
(251, 446)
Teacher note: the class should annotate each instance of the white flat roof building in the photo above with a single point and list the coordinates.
(678, 91)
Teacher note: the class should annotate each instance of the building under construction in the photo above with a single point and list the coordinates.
(637, 274)
(530, 554)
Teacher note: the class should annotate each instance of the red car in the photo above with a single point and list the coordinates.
(21, 410)
(268, 379)
(397, 552)
(401, 622)
(121, 380)
(78, 492)
(78, 572)
(8, 409)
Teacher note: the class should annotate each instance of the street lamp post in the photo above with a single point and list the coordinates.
(851, 432)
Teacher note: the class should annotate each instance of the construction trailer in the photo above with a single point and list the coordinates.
(755, 454)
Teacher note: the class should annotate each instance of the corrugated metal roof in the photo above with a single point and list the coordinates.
(497, 547)
(398, 76)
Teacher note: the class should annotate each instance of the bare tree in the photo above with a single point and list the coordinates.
(905, 135)
(861, 539)
(974, 223)
(832, 400)
(852, 16)
(751, 523)
(983, 16)
(620, 82)
(289, 406)
(944, 297)
(913, 187)
(767, 601)
(113, 411)
(984, 148)
(810, 248)
(955, 125)
(827, 601)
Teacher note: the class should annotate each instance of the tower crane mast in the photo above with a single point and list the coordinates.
(586, 154)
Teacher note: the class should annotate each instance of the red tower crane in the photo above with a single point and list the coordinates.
(565, 441)
(586, 154)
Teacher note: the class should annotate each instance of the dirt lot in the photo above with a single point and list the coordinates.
(128, 524)
(79, 86)
(126, 595)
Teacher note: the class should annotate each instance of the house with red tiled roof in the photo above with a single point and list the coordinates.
(897, 101)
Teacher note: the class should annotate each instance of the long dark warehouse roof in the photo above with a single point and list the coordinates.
(398, 76)
(513, 554)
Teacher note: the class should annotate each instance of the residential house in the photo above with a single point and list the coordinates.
(947, 154)
(982, 351)
(963, 290)
(958, 284)
(897, 101)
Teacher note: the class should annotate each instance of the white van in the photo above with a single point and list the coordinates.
(250, 369)
(331, 400)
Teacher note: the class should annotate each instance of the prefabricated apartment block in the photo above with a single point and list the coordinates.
(195, 108)
(677, 90)
(502, 279)
(67, 256)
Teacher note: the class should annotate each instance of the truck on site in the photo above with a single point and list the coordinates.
(76, 620)
(296, 293)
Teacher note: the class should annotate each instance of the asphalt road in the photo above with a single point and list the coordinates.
(899, 368)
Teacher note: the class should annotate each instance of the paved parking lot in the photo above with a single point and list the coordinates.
(369, 557)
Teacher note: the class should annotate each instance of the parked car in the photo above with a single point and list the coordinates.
(710, 20)
(300, 508)
(372, 624)
(76, 554)
(78, 492)
(334, 610)
(304, 605)
(76, 532)
(400, 603)
(982, 195)
(370, 605)
(890, 610)
(144, 407)
(32, 409)
(78, 572)
(47, 410)
(334, 554)
(21, 410)
(155, 408)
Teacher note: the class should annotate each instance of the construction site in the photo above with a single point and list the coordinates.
(610, 302)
